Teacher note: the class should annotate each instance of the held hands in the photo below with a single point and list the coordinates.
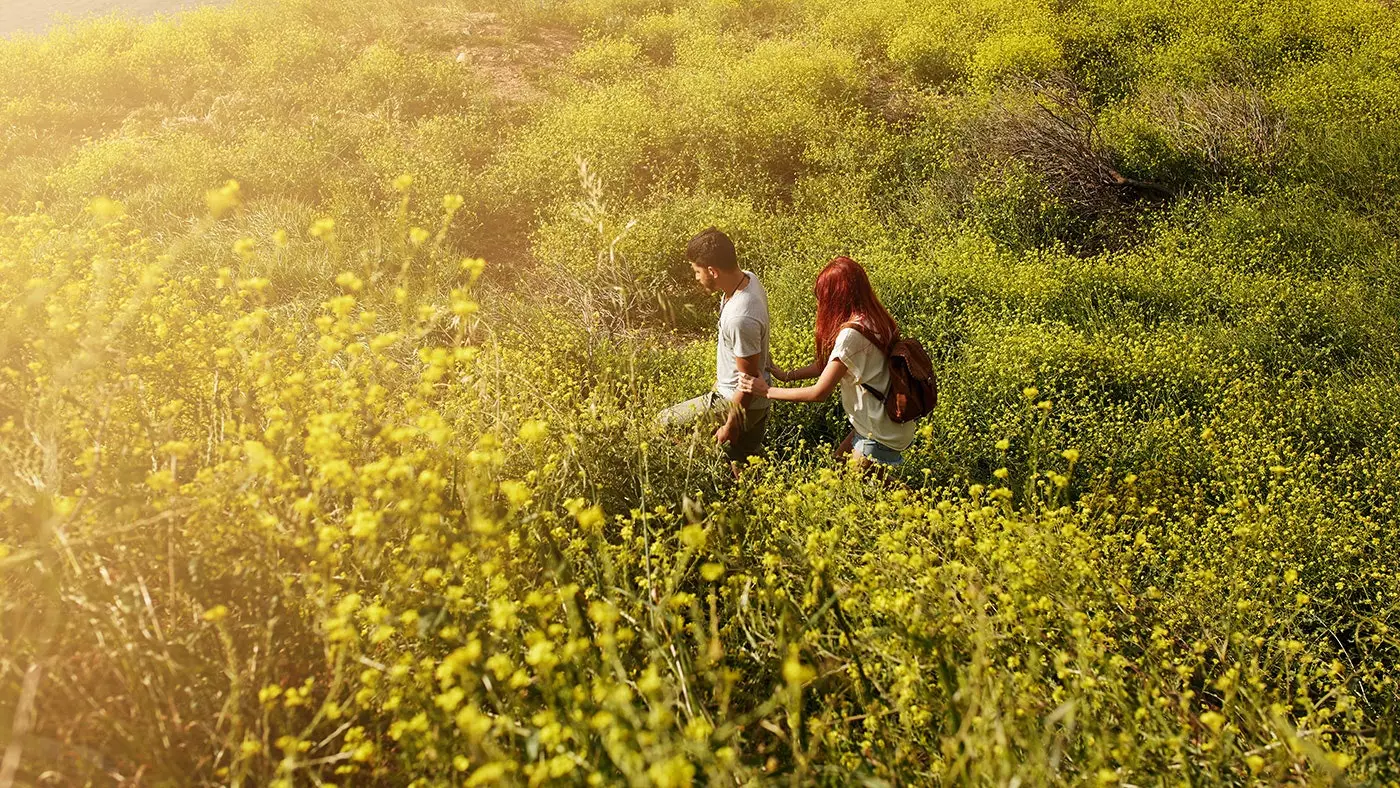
(753, 385)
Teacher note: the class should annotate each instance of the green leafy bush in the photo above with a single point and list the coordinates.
(296, 489)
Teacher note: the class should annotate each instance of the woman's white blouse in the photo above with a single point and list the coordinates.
(866, 364)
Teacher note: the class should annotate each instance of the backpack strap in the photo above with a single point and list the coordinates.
(874, 340)
(868, 334)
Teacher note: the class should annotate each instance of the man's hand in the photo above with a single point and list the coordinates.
(727, 433)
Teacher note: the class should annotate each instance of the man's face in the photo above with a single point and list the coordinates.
(704, 276)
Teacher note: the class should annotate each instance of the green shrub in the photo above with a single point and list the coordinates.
(294, 489)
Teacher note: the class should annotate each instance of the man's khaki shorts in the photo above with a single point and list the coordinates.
(710, 410)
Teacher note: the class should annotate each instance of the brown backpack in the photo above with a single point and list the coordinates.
(913, 390)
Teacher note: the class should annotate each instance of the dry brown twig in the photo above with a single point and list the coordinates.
(1222, 125)
(1058, 137)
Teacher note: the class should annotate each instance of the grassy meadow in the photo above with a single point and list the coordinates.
(334, 332)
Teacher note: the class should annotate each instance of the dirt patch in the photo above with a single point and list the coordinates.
(511, 63)
(36, 16)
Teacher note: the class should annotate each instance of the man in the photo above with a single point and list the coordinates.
(742, 349)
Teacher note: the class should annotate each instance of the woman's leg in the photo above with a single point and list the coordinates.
(844, 450)
(874, 459)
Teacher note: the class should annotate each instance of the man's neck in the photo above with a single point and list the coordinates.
(729, 285)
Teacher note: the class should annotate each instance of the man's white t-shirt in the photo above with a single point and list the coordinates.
(867, 364)
(743, 332)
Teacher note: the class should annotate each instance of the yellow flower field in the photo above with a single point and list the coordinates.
(334, 334)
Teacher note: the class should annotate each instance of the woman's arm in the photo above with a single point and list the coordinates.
(808, 372)
(826, 383)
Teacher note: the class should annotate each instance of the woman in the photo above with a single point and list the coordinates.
(849, 317)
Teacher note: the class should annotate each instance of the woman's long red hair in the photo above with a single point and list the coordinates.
(844, 294)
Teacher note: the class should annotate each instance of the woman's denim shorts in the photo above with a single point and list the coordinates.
(875, 450)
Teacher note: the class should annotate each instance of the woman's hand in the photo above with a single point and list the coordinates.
(778, 373)
(753, 385)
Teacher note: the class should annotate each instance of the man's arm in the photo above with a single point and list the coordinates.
(739, 400)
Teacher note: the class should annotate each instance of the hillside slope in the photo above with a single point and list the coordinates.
(335, 332)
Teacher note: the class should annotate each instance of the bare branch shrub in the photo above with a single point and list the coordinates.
(1222, 126)
(1050, 127)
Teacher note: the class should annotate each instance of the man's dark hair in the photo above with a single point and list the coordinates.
(712, 248)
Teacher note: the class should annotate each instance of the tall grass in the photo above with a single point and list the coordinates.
(297, 488)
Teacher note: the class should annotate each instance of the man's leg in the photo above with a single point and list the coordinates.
(706, 408)
(750, 440)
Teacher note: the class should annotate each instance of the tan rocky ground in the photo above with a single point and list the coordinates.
(37, 15)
